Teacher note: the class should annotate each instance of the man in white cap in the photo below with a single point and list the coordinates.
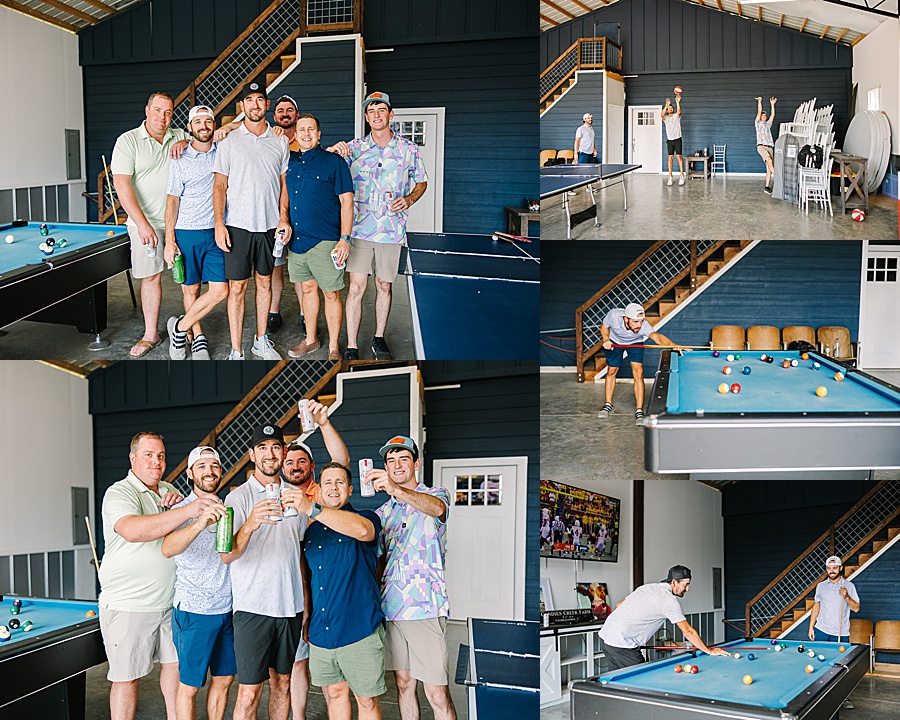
(202, 626)
(585, 149)
(637, 618)
(627, 328)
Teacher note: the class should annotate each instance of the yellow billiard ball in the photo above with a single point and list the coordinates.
(810, 669)
(821, 391)
(724, 389)
(841, 648)
(748, 679)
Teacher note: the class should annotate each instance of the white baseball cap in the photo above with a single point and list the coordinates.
(202, 450)
(200, 110)
(833, 560)
(633, 311)
(587, 115)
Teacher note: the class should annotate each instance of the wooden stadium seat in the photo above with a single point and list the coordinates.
(728, 337)
(763, 337)
(835, 337)
(887, 636)
(798, 332)
(861, 632)
(568, 155)
(547, 155)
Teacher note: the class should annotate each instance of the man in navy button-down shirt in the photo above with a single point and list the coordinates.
(345, 625)
(320, 189)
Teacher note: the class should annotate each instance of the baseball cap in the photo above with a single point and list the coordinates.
(254, 88)
(678, 572)
(377, 97)
(266, 432)
(587, 115)
(286, 98)
(200, 110)
(298, 445)
(833, 560)
(202, 450)
(400, 442)
(633, 311)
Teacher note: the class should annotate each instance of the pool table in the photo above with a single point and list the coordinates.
(775, 423)
(43, 670)
(67, 287)
(781, 687)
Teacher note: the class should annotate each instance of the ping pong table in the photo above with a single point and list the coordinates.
(562, 179)
(473, 297)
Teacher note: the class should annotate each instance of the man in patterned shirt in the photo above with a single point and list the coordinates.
(201, 618)
(389, 176)
(414, 593)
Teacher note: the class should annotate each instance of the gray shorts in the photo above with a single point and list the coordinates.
(618, 658)
(382, 258)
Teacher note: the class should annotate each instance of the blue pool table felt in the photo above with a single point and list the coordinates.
(46, 615)
(25, 251)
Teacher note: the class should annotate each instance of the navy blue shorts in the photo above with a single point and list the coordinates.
(587, 158)
(615, 356)
(825, 637)
(203, 642)
(204, 261)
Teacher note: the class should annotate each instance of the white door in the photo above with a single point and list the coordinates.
(880, 345)
(551, 678)
(485, 536)
(645, 134)
(425, 127)
(615, 122)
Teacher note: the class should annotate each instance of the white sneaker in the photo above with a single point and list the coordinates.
(265, 348)
(670, 181)
(681, 181)
(235, 355)
(200, 348)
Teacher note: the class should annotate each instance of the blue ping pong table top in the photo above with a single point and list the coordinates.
(558, 179)
(472, 297)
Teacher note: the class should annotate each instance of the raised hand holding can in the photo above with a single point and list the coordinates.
(366, 487)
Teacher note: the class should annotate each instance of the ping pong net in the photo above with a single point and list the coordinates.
(471, 256)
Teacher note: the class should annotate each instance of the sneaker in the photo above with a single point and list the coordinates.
(275, 322)
(235, 355)
(639, 417)
(199, 348)
(264, 348)
(177, 339)
(847, 705)
(670, 181)
(681, 180)
(768, 190)
(381, 349)
(351, 354)
(605, 411)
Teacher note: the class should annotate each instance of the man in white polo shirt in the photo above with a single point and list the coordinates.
(637, 618)
(137, 582)
(585, 149)
(140, 170)
(627, 327)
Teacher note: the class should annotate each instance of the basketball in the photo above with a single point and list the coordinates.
(858, 215)
(678, 90)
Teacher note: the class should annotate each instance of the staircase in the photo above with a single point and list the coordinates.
(583, 54)
(664, 278)
(858, 537)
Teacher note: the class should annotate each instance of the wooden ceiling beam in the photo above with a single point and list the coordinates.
(548, 20)
(584, 7)
(827, 28)
(740, 11)
(853, 44)
(759, 12)
(102, 6)
(90, 19)
(719, 4)
(38, 15)
(803, 24)
(781, 21)
(843, 32)
(701, 3)
(558, 9)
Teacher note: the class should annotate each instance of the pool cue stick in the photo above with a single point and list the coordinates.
(87, 521)
(112, 198)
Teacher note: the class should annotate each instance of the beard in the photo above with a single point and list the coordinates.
(202, 135)
(261, 469)
(285, 121)
(256, 114)
(207, 483)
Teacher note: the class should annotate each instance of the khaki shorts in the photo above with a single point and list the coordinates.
(141, 265)
(134, 641)
(384, 257)
(361, 664)
(765, 152)
(316, 264)
(419, 646)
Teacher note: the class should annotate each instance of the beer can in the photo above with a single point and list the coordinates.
(288, 511)
(225, 531)
(306, 418)
(366, 487)
(151, 250)
(178, 269)
(389, 198)
(337, 265)
(273, 492)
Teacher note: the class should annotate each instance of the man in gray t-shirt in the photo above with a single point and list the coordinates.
(671, 117)
(620, 330)
(636, 618)
(269, 597)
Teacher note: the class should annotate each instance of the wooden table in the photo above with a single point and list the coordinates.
(852, 183)
(519, 217)
(703, 172)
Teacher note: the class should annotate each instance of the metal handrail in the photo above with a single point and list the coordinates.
(583, 54)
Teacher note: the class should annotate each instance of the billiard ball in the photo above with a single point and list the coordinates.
(841, 648)
(763, 357)
(748, 679)
(4, 633)
(90, 613)
(50, 242)
(778, 648)
(678, 668)
(27, 625)
(821, 391)
(804, 356)
(723, 388)
(783, 645)
(746, 370)
(811, 653)
(729, 357)
(687, 667)
(727, 370)
(801, 648)
(736, 656)
(694, 669)
(839, 376)
(737, 356)
(61, 243)
(751, 656)
(110, 233)
(44, 230)
(794, 362)
(816, 366)
(716, 353)
(46, 249)
(735, 388)
(774, 642)
(810, 669)
(14, 623)
(786, 364)
(17, 602)
(14, 610)
(770, 359)
(10, 239)
(821, 658)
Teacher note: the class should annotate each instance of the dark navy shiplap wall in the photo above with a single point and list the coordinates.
(768, 524)
(571, 272)
(559, 123)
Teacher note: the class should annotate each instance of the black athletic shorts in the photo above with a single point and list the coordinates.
(616, 658)
(674, 146)
(262, 642)
(249, 251)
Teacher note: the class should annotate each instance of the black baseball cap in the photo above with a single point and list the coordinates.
(254, 88)
(678, 572)
(266, 432)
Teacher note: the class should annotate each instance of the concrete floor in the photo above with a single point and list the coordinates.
(152, 707)
(27, 340)
(732, 208)
(875, 698)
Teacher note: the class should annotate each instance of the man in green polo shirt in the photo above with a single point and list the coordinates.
(140, 170)
(137, 581)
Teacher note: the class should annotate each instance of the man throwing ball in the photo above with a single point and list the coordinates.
(629, 328)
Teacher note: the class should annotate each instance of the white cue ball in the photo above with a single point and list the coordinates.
(10, 239)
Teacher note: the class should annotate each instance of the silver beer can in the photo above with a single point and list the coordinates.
(288, 511)
(366, 487)
(306, 418)
(273, 492)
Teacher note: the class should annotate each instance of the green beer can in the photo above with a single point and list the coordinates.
(178, 269)
(225, 531)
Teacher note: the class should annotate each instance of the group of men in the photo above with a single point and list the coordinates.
(311, 590)
(247, 199)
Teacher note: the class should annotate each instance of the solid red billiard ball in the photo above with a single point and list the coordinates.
(694, 669)
(678, 668)
(735, 388)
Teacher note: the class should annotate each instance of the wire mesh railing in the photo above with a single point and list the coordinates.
(585, 54)
(846, 537)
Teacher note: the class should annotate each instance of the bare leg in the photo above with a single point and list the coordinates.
(123, 697)
(334, 314)
(338, 699)
(237, 291)
(369, 709)
(168, 683)
(670, 166)
(610, 384)
(406, 695)
(189, 295)
(217, 697)
(358, 283)
(279, 694)
(299, 688)
(202, 305)
(263, 299)
(247, 702)
(637, 369)
(440, 701)
(681, 164)
(382, 305)
(186, 702)
(277, 289)
(309, 302)
(151, 297)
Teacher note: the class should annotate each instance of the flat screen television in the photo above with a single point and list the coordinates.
(578, 524)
